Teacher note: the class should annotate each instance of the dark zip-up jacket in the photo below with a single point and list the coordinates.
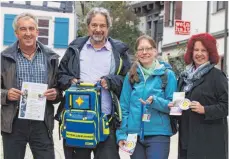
(69, 67)
(8, 80)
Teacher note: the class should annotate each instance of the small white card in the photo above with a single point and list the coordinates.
(130, 145)
(177, 98)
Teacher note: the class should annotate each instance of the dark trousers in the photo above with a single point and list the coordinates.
(104, 150)
(27, 131)
(153, 147)
(182, 154)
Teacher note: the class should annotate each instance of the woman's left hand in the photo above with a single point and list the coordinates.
(197, 107)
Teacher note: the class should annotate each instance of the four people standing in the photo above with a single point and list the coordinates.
(203, 131)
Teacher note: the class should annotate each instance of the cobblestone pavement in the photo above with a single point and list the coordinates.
(59, 149)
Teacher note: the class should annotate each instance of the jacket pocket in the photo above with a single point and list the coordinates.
(156, 118)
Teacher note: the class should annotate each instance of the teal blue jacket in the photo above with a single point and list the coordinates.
(131, 106)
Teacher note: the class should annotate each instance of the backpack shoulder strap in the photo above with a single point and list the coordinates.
(164, 79)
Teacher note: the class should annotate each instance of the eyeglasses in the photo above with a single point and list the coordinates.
(141, 50)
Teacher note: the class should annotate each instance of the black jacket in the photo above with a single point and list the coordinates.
(206, 136)
(8, 80)
(69, 67)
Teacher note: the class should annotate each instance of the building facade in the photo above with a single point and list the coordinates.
(56, 22)
(151, 15)
(204, 16)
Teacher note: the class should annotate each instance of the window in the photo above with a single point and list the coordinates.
(173, 10)
(43, 27)
(220, 5)
(155, 31)
(148, 28)
(149, 25)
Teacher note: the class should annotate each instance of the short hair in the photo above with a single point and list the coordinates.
(208, 41)
(146, 37)
(100, 10)
(24, 15)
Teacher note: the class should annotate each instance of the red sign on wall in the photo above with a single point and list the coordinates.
(182, 27)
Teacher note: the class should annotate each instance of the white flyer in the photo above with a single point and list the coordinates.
(177, 98)
(130, 145)
(32, 102)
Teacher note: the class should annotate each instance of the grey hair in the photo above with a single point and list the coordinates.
(24, 15)
(99, 10)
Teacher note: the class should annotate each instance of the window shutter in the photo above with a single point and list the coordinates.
(167, 12)
(9, 36)
(178, 10)
(61, 32)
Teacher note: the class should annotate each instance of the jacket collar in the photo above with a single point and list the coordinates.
(11, 51)
(159, 69)
(116, 44)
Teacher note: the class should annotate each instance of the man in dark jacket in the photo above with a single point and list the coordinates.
(27, 60)
(97, 57)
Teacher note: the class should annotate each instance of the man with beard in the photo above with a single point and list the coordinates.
(93, 58)
(27, 60)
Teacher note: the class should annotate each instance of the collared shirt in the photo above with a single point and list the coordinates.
(34, 70)
(94, 64)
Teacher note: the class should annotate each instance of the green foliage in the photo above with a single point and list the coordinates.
(177, 64)
(124, 22)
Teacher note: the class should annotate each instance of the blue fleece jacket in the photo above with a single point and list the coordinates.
(131, 106)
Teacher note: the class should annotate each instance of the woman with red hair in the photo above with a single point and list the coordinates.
(203, 129)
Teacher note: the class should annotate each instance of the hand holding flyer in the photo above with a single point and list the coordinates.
(177, 98)
(130, 145)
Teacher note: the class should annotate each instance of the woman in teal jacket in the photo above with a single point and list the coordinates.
(143, 88)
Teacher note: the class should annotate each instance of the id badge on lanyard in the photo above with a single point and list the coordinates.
(146, 116)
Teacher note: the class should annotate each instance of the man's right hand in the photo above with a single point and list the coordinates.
(14, 94)
(121, 143)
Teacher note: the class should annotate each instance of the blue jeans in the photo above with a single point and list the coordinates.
(153, 147)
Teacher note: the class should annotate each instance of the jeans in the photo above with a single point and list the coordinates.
(153, 147)
(28, 131)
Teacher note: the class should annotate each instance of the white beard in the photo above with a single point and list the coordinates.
(97, 38)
